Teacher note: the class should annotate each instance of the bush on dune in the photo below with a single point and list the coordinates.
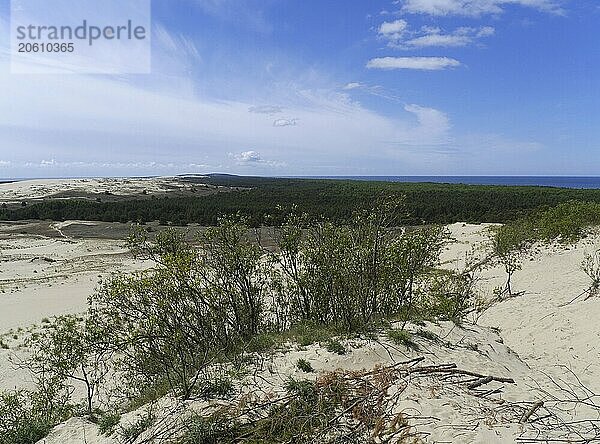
(206, 303)
(26, 417)
(352, 275)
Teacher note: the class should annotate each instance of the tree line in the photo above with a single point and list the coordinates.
(335, 200)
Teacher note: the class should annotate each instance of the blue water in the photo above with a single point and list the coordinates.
(591, 182)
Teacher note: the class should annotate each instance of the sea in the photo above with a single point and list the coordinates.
(581, 182)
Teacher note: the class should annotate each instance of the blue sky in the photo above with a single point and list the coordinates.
(352, 87)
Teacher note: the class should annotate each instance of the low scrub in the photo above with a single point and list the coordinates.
(217, 301)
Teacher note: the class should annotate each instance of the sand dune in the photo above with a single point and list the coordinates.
(43, 277)
(43, 188)
(532, 338)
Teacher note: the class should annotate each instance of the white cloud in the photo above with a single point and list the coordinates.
(160, 125)
(178, 44)
(400, 36)
(417, 63)
(352, 85)
(265, 109)
(435, 37)
(475, 8)
(430, 118)
(393, 30)
(253, 158)
(486, 31)
(247, 157)
(285, 122)
(108, 167)
(149, 131)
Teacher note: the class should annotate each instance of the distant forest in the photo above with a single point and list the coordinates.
(266, 200)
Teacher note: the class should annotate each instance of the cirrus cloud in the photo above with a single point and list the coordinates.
(430, 37)
(474, 8)
(415, 63)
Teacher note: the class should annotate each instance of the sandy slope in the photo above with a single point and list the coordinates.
(43, 277)
(530, 338)
(536, 324)
(40, 188)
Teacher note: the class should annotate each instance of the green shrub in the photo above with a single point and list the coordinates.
(426, 334)
(68, 351)
(335, 346)
(402, 337)
(108, 422)
(129, 433)
(219, 387)
(196, 306)
(26, 417)
(211, 430)
(349, 276)
(448, 295)
(309, 332)
(261, 343)
(305, 366)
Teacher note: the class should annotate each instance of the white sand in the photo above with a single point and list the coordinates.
(44, 277)
(536, 335)
(41, 188)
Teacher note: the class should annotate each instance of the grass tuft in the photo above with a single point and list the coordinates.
(402, 337)
(305, 366)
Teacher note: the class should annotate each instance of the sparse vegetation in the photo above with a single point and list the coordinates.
(402, 337)
(129, 433)
(108, 422)
(305, 366)
(68, 351)
(567, 222)
(26, 417)
(215, 302)
(591, 267)
(335, 346)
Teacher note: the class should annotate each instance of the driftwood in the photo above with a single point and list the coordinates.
(451, 369)
(367, 404)
(529, 413)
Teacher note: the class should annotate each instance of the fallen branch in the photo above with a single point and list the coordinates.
(529, 413)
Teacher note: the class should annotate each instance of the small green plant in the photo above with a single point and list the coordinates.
(402, 337)
(210, 430)
(146, 394)
(3, 345)
(261, 343)
(335, 346)
(27, 417)
(220, 387)
(108, 422)
(591, 267)
(308, 332)
(305, 366)
(130, 432)
(426, 334)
